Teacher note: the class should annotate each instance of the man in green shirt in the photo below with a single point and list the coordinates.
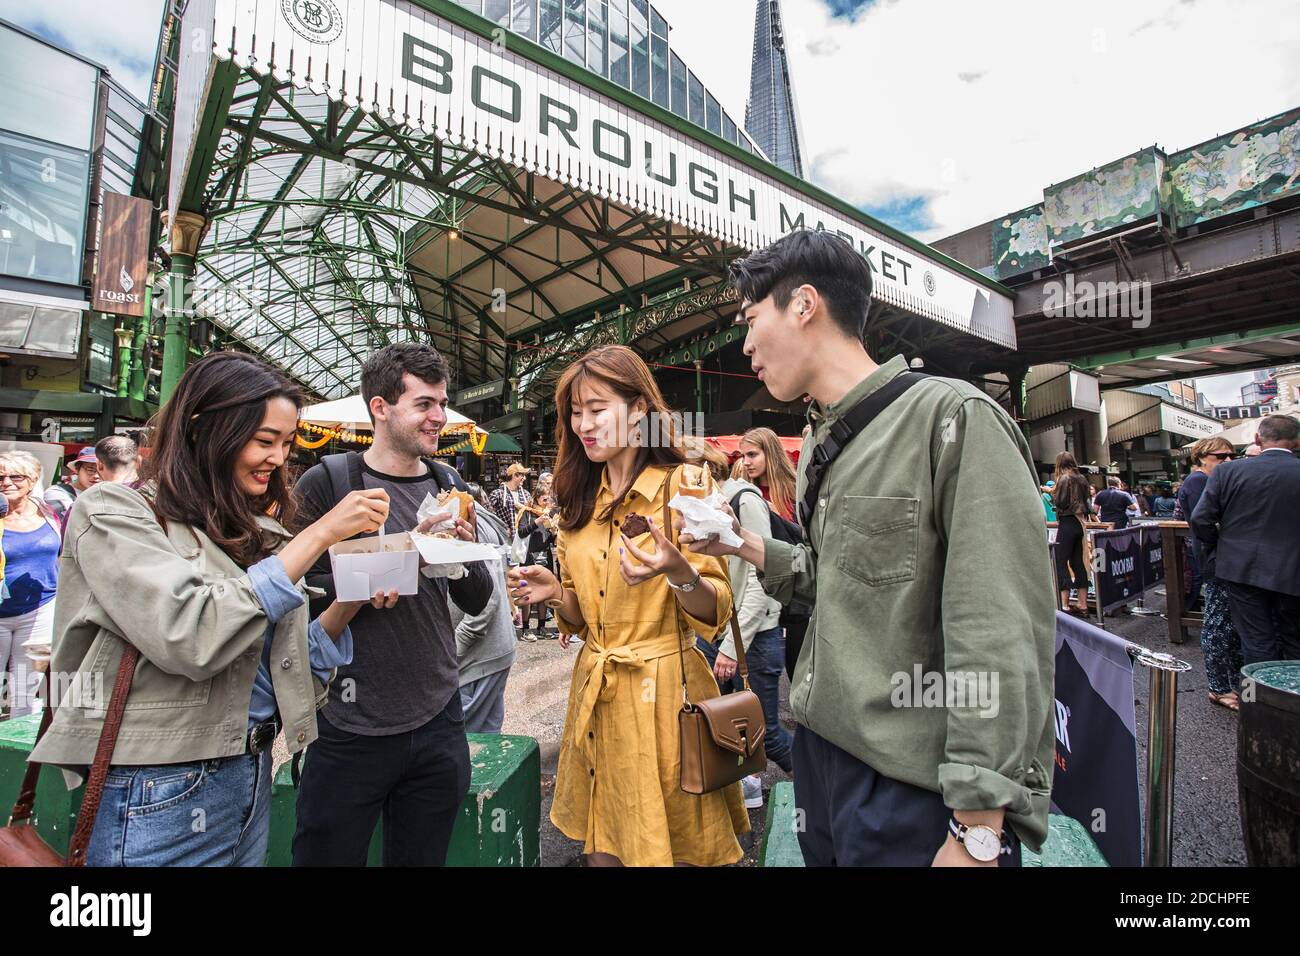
(923, 691)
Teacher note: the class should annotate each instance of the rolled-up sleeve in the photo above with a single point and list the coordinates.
(713, 570)
(325, 653)
(789, 572)
(273, 588)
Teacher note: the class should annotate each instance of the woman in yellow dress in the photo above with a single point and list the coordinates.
(635, 600)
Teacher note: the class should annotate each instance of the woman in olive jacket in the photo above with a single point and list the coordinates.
(196, 570)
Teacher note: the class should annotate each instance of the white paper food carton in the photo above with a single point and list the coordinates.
(360, 569)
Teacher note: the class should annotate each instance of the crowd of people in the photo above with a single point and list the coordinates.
(31, 538)
(1251, 600)
(202, 574)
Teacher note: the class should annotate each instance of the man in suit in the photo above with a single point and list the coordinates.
(1247, 521)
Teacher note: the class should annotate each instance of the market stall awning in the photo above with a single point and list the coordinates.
(731, 444)
(500, 444)
(351, 413)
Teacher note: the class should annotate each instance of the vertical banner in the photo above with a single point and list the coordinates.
(123, 255)
(1096, 776)
(1153, 563)
(1117, 560)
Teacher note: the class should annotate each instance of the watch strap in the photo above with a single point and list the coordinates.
(689, 586)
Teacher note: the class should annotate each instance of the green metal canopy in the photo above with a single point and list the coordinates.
(383, 171)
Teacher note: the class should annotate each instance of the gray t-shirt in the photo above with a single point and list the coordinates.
(404, 669)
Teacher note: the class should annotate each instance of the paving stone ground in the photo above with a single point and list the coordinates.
(1207, 828)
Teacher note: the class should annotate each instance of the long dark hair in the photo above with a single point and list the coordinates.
(577, 477)
(196, 437)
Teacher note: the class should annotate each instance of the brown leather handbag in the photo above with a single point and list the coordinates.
(20, 844)
(721, 738)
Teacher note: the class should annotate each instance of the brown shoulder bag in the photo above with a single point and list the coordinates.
(20, 844)
(721, 738)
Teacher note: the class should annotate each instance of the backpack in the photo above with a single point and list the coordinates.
(783, 529)
(796, 613)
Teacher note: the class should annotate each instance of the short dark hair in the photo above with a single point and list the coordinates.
(823, 260)
(382, 372)
(1279, 428)
(1113, 482)
(116, 451)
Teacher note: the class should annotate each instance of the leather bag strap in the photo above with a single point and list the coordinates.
(103, 756)
(22, 811)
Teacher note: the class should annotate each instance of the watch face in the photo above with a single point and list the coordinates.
(983, 844)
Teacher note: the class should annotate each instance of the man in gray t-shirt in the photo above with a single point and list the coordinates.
(392, 736)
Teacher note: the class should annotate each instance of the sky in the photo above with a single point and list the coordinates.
(933, 115)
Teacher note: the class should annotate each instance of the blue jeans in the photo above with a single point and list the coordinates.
(207, 813)
(766, 658)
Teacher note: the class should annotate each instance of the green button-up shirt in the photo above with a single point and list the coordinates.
(931, 651)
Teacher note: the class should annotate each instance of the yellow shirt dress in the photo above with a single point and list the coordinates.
(617, 786)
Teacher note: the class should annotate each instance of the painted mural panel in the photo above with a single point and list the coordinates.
(1251, 166)
(1020, 242)
(1117, 194)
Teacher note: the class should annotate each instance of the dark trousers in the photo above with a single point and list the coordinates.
(764, 658)
(415, 780)
(1267, 621)
(854, 816)
(1071, 572)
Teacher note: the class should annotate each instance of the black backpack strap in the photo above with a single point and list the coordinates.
(735, 501)
(843, 431)
(446, 476)
(344, 471)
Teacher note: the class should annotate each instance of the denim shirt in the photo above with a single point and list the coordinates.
(278, 597)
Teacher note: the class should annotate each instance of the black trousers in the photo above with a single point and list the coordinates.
(415, 780)
(1071, 572)
(1268, 623)
(854, 816)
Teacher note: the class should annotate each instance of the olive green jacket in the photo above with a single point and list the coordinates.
(931, 651)
(192, 613)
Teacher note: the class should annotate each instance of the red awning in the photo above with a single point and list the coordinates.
(731, 445)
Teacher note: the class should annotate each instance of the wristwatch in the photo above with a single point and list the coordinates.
(688, 587)
(982, 842)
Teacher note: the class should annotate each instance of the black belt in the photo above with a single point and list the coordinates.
(261, 736)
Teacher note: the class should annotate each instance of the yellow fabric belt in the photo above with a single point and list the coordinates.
(601, 685)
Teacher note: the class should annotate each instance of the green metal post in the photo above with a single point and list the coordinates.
(176, 336)
(123, 336)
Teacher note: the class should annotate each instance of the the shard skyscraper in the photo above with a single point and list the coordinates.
(771, 114)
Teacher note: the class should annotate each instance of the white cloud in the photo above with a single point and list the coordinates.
(889, 110)
(1224, 389)
(120, 35)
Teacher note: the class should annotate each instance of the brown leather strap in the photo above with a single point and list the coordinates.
(22, 811)
(741, 666)
(103, 756)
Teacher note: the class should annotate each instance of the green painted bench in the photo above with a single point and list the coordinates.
(498, 824)
(1068, 843)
